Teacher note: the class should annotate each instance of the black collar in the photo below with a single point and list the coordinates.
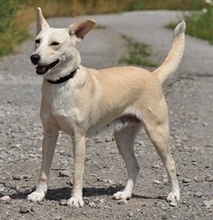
(63, 79)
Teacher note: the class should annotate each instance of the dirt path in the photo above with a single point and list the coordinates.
(190, 100)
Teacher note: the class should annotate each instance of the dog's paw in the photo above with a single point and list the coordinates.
(122, 196)
(36, 196)
(75, 202)
(173, 199)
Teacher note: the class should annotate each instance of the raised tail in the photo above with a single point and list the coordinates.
(175, 54)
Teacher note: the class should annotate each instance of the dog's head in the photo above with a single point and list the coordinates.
(55, 48)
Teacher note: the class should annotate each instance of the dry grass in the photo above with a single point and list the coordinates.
(25, 12)
(174, 4)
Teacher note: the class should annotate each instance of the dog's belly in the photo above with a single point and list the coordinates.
(69, 122)
(114, 125)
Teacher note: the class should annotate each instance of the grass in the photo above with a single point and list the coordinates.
(173, 4)
(13, 26)
(138, 55)
(17, 14)
(200, 24)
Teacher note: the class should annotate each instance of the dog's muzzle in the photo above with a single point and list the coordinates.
(42, 69)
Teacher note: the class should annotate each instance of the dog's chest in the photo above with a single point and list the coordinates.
(61, 102)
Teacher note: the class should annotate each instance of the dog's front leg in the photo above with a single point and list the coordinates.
(48, 148)
(76, 199)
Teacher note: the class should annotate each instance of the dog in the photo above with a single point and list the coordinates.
(81, 102)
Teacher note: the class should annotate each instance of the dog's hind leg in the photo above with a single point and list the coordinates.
(159, 135)
(48, 148)
(125, 142)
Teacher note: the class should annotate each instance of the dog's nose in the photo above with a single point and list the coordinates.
(35, 58)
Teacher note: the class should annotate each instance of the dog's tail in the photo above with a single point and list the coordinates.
(175, 55)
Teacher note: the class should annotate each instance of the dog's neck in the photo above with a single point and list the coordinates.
(63, 79)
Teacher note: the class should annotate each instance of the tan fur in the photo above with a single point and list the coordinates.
(121, 98)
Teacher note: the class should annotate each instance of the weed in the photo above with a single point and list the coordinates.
(138, 55)
(200, 24)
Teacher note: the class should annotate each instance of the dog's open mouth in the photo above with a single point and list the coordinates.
(44, 69)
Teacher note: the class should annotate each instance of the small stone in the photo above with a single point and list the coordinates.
(86, 200)
(198, 179)
(111, 182)
(208, 203)
(2, 188)
(63, 202)
(204, 123)
(17, 177)
(209, 178)
(64, 173)
(178, 144)
(130, 214)
(156, 166)
(101, 202)
(88, 158)
(92, 204)
(25, 177)
(122, 202)
(24, 209)
(108, 139)
(198, 194)
(97, 141)
(157, 182)
(5, 198)
(58, 217)
(186, 180)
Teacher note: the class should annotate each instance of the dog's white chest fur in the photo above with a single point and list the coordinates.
(60, 102)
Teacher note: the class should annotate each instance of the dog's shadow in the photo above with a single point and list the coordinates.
(64, 193)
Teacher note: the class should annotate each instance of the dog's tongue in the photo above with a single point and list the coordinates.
(41, 69)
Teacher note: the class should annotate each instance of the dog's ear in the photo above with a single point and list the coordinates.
(81, 28)
(41, 22)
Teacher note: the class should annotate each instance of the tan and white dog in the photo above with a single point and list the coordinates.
(81, 102)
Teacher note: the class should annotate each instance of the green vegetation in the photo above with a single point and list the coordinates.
(138, 54)
(200, 24)
(173, 4)
(15, 15)
(11, 33)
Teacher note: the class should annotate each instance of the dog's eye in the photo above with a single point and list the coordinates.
(54, 43)
(37, 41)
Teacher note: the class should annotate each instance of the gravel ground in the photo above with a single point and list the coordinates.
(190, 100)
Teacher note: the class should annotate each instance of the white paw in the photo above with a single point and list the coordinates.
(36, 196)
(75, 202)
(173, 198)
(122, 196)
